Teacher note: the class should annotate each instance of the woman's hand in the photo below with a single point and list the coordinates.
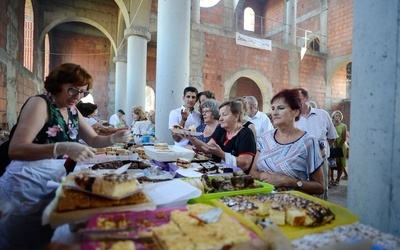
(121, 136)
(277, 180)
(76, 151)
(213, 148)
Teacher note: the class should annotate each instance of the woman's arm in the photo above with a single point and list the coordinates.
(316, 184)
(254, 172)
(87, 134)
(31, 120)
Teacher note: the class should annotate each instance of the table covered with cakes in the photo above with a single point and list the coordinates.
(165, 197)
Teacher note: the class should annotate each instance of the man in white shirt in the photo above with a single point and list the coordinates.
(318, 123)
(260, 120)
(186, 115)
(117, 120)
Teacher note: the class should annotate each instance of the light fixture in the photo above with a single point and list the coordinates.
(304, 49)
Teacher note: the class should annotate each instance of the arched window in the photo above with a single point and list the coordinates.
(249, 18)
(28, 36)
(150, 99)
(314, 45)
(46, 56)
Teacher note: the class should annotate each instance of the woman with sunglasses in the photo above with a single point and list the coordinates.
(49, 126)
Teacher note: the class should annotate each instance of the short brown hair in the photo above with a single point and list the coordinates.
(291, 97)
(67, 73)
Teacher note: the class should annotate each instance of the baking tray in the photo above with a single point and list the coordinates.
(343, 216)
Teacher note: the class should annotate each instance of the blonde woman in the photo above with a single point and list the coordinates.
(246, 123)
(340, 142)
(140, 123)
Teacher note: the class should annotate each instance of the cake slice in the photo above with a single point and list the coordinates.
(107, 184)
(277, 213)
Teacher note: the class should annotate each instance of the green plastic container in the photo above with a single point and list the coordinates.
(206, 198)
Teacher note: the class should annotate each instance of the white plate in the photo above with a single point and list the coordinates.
(182, 131)
(188, 172)
(170, 155)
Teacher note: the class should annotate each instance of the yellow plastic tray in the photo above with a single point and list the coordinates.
(206, 198)
(343, 216)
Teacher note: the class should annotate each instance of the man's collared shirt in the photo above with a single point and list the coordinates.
(261, 122)
(175, 118)
(319, 124)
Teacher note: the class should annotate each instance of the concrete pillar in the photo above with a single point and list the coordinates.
(374, 165)
(137, 38)
(291, 17)
(196, 11)
(173, 45)
(120, 82)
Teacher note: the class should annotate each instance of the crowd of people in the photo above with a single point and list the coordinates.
(288, 148)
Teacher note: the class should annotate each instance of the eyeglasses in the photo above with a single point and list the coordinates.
(205, 112)
(74, 91)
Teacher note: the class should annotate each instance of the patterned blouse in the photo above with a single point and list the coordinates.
(297, 159)
(56, 130)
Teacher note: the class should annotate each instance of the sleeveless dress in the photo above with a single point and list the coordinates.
(342, 160)
(23, 187)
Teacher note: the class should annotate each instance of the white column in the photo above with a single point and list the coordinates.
(196, 11)
(173, 44)
(374, 165)
(120, 82)
(137, 38)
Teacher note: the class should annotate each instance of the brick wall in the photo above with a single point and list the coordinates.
(340, 28)
(213, 15)
(92, 53)
(4, 20)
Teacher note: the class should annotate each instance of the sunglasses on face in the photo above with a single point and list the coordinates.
(74, 91)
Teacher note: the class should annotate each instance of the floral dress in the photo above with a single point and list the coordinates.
(56, 130)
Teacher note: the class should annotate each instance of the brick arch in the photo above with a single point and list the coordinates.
(262, 82)
(77, 19)
(331, 72)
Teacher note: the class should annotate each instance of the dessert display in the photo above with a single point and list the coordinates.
(239, 181)
(122, 152)
(183, 162)
(100, 151)
(140, 151)
(281, 208)
(107, 184)
(177, 127)
(187, 231)
(117, 245)
(211, 167)
(117, 164)
(192, 128)
(71, 199)
(161, 146)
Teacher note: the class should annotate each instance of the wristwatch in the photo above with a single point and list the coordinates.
(299, 183)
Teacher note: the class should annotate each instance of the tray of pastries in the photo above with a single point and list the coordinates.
(296, 213)
(82, 195)
(196, 226)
